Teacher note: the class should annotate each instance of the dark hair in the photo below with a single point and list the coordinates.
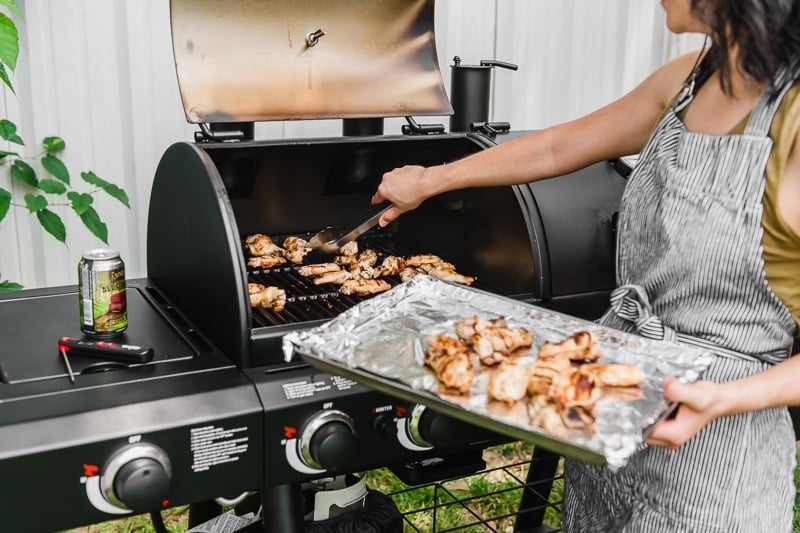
(766, 34)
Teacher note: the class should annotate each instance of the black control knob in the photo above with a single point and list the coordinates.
(142, 484)
(328, 440)
(137, 477)
(429, 428)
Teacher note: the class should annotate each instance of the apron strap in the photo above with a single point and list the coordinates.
(630, 303)
(768, 101)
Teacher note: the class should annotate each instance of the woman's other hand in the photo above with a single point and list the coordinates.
(697, 407)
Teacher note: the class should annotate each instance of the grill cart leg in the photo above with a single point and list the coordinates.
(535, 497)
(282, 508)
(202, 512)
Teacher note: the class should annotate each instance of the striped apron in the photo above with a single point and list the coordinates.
(690, 269)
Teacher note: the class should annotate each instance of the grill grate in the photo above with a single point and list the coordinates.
(306, 301)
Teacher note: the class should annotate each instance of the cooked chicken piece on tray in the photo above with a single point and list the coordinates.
(581, 346)
(268, 297)
(492, 340)
(543, 371)
(295, 249)
(451, 361)
(318, 269)
(616, 375)
(336, 277)
(266, 261)
(364, 287)
(508, 382)
(259, 245)
(575, 386)
(545, 415)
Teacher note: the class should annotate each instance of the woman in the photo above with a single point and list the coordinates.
(708, 254)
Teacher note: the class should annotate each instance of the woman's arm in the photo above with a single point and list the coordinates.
(702, 402)
(620, 128)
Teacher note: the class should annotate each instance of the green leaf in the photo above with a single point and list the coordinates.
(9, 42)
(52, 186)
(52, 224)
(111, 189)
(8, 131)
(24, 172)
(53, 145)
(5, 202)
(35, 203)
(8, 286)
(92, 221)
(12, 7)
(56, 167)
(80, 201)
(4, 77)
(4, 154)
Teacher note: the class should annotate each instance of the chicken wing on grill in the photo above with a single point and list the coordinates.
(443, 272)
(336, 277)
(318, 269)
(268, 297)
(364, 287)
(296, 249)
(266, 261)
(391, 265)
(259, 245)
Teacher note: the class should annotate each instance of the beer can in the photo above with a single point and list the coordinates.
(102, 302)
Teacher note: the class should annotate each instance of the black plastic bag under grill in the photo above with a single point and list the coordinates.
(379, 515)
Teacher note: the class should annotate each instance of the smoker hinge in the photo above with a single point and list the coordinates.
(412, 128)
(229, 131)
(490, 129)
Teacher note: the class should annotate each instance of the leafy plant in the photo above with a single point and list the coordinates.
(40, 193)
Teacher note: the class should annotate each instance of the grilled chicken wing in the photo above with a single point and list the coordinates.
(318, 269)
(417, 260)
(295, 249)
(268, 297)
(616, 375)
(508, 382)
(336, 277)
(451, 361)
(542, 373)
(581, 346)
(364, 287)
(351, 248)
(492, 340)
(259, 245)
(447, 274)
(266, 261)
(391, 265)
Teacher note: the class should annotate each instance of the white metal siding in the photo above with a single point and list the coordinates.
(100, 74)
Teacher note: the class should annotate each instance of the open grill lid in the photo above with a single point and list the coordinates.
(247, 61)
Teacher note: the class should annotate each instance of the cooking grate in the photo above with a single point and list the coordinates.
(306, 301)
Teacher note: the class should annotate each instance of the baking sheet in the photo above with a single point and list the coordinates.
(381, 343)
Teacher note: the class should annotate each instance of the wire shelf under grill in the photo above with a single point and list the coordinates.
(491, 500)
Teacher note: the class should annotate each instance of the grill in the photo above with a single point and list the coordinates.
(220, 412)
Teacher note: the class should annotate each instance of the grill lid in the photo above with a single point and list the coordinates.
(246, 61)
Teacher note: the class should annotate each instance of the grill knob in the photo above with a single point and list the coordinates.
(137, 478)
(328, 440)
(428, 428)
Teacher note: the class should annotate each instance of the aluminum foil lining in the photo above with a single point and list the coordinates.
(386, 336)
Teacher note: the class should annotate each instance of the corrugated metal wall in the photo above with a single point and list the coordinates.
(101, 75)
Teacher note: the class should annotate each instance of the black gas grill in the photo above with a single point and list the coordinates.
(550, 243)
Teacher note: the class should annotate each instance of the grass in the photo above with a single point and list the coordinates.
(483, 502)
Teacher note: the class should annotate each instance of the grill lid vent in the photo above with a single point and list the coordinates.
(246, 61)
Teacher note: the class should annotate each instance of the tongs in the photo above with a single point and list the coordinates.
(330, 239)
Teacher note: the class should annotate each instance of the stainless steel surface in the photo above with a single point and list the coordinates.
(243, 61)
(330, 239)
(381, 343)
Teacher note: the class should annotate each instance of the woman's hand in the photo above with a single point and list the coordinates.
(699, 405)
(406, 188)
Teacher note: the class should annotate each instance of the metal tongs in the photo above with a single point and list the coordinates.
(330, 239)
